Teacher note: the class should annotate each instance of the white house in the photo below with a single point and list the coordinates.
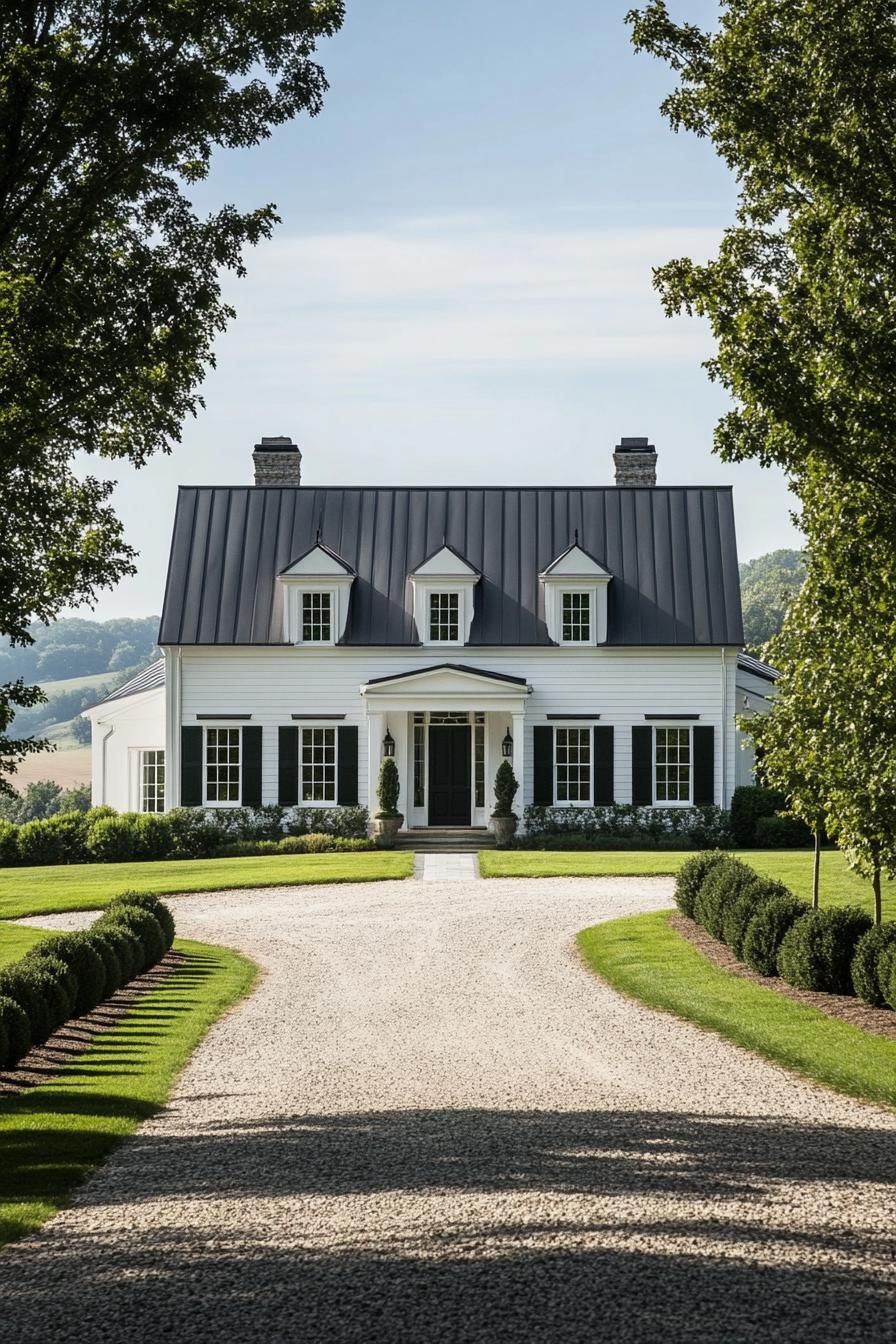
(591, 635)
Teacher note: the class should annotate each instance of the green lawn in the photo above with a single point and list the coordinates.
(839, 886)
(52, 1136)
(644, 958)
(15, 942)
(89, 886)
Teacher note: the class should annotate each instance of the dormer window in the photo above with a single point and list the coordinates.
(575, 598)
(575, 625)
(316, 591)
(444, 618)
(443, 587)
(317, 618)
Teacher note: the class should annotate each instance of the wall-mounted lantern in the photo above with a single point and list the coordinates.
(507, 746)
(388, 743)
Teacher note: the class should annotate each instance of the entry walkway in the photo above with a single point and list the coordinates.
(446, 867)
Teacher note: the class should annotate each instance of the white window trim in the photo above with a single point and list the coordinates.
(554, 588)
(689, 729)
(299, 600)
(304, 727)
(215, 803)
(422, 591)
(588, 727)
(592, 617)
(141, 752)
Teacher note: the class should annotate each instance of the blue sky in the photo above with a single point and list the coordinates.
(460, 289)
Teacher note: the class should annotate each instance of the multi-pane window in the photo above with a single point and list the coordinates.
(317, 618)
(222, 765)
(576, 618)
(479, 760)
(152, 781)
(572, 765)
(444, 617)
(419, 760)
(317, 758)
(673, 765)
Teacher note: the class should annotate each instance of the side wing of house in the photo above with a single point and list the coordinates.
(754, 691)
(128, 745)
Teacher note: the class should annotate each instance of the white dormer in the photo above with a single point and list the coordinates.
(317, 588)
(575, 598)
(443, 598)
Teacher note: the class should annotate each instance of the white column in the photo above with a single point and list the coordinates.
(518, 732)
(375, 732)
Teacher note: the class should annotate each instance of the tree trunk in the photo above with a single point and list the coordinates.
(816, 868)
(875, 882)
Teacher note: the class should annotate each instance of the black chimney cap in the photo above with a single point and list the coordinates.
(279, 443)
(635, 446)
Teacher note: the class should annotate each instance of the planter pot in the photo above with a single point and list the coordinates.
(503, 829)
(388, 827)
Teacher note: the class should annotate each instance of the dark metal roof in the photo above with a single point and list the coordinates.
(671, 552)
(148, 680)
(748, 663)
(451, 667)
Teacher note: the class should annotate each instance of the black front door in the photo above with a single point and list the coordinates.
(449, 775)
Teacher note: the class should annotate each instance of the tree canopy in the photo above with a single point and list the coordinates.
(110, 279)
(768, 585)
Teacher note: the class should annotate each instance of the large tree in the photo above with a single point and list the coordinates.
(110, 279)
(799, 99)
(768, 585)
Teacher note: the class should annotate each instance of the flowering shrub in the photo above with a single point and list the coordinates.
(703, 827)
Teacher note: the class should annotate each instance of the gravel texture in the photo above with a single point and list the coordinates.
(429, 1123)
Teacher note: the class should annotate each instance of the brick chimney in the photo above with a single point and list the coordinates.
(635, 461)
(277, 461)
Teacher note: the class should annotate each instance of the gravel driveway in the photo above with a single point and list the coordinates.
(430, 1123)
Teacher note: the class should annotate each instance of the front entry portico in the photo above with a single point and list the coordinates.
(448, 723)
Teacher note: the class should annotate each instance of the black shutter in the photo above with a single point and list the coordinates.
(347, 766)
(543, 765)
(704, 765)
(603, 765)
(191, 767)
(288, 767)
(642, 765)
(251, 768)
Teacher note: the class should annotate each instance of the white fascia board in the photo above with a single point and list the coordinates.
(117, 709)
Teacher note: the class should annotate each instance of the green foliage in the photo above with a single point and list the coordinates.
(742, 909)
(9, 843)
(817, 952)
(15, 1041)
(725, 881)
(39, 842)
(39, 990)
(506, 789)
(886, 975)
(388, 786)
(145, 928)
(868, 962)
(113, 971)
(84, 961)
(112, 839)
(318, 843)
(145, 900)
(125, 945)
(691, 876)
(110, 279)
(749, 802)
(40, 799)
(767, 587)
(766, 931)
(782, 832)
(676, 827)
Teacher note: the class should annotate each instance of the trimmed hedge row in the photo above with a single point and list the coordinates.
(105, 836)
(836, 951)
(68, 974)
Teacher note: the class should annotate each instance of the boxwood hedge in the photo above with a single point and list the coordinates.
(817, 952)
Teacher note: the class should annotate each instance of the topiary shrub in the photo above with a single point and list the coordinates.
(744, 907)
(113, 839)
(725, 881)
(388, 787)
(85, 963)
(38, 987)
(780, 832)
(152, 836)
(16, 1032)
(817, 952)
(144, 900)
(125, 944)
(71, 829)
(39, 843)
(749, 802)
(193, 836)
(145, 928)
(766, 930)
(506, 789)
(104, 946)
(868, 962)
(691, 876)
(886, 975)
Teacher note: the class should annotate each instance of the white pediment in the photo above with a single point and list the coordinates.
(317, 562)
(575, 563)
(446, 682)
(444, 564)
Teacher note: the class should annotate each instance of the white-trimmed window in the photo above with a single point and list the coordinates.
(444, 618)
(152, 781)
(222, 766)
(575, 618)
(572, 766)
(317, 765)
(317, 617)
(673, 763)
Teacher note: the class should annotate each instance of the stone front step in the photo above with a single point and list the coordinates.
(445, 840)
